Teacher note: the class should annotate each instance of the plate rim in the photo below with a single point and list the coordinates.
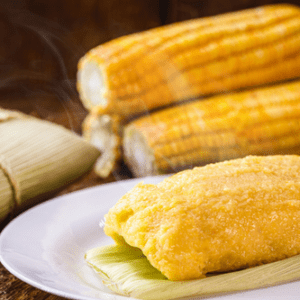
(57, 199)
(61, 198)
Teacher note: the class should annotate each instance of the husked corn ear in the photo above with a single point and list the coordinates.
(143, 71)
(258, 122)
(103, 131)
(217, 218)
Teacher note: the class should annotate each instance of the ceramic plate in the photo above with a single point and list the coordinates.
(45, 246)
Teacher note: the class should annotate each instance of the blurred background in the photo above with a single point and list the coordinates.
(41, 42)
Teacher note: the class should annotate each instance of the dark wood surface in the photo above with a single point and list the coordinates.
(11, 288)
(40, 44)
(70, 114)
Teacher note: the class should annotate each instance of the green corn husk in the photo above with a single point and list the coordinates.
(126, 271)
(37, 157)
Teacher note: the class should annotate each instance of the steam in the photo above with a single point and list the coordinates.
(37, 61)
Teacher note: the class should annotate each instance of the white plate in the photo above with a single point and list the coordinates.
(45, 246)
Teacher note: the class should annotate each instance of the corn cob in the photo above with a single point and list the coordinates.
(258, 122)
(143, 71)
(104, 132)
(218, 218)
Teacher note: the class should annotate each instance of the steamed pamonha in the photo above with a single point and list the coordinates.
(217, 218)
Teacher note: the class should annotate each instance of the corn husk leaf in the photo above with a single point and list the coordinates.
(37, 157)
(126, 271)
(7, 196)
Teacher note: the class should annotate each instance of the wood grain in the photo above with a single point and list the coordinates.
(11, 288)
(41, 42)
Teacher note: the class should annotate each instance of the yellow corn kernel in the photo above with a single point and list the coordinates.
(257, 122)
(155, 68)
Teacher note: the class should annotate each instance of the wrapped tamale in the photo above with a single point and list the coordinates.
(37, 157)
(260, 121)
(192, 226)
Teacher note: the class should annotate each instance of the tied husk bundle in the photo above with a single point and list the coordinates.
(126, 271)
(37, 157)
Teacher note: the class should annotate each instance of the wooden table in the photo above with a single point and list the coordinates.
(70, 114)
(35, 80)
(11, 288)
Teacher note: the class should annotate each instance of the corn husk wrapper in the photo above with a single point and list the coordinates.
(7, 196)
(36, 158)
(126, 271)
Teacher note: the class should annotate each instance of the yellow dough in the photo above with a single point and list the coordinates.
(220, 217)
